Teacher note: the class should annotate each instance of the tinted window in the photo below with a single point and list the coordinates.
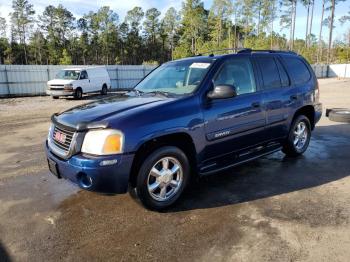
(297, 70)
(239, 73)
(283, 75)
(269, 72)
(83, 75)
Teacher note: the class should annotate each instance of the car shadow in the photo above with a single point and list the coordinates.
(275, 174)
(4, 256)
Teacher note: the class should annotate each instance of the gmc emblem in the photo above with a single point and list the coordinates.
(60, 137)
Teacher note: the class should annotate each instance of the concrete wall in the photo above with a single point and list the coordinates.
(336, 70)
(23, 80)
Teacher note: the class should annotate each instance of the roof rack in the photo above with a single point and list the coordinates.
(249, 50)
(211, 52)
(246, 51)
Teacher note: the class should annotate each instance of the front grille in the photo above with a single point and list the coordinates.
(56, 87)
(65, 146)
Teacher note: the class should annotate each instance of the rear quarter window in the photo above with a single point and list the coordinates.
(297, 70)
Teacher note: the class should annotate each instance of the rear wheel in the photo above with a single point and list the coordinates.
(104, 90)
(162, 177)
(55, 97)
(78, 94)
(299, 137)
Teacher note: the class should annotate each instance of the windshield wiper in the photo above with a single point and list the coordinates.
(163, 93)
(137, 92)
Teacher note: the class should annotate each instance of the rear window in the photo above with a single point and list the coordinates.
(297, 70)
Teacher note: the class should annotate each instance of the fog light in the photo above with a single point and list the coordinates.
(85, 181)
(108, 162)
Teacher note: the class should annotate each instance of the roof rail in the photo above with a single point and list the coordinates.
(248, 50)
(211, 52)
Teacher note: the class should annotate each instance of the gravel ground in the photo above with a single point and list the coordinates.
(273, 208)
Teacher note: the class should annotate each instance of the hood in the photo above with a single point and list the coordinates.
(60, 81)
(94, 114)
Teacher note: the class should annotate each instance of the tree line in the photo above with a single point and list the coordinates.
(146, 36)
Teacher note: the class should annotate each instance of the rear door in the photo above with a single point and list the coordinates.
(278, 95)
(234, 123)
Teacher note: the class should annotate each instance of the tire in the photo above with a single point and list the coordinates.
(78, 94)
(340, 115)
(104, 90)
(158, 184)
(55, 97)
(294, 146)
(328, 110)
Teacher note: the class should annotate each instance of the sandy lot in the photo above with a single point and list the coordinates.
(273, 208)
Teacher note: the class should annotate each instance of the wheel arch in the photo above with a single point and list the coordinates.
(181, 140)
(309, 112)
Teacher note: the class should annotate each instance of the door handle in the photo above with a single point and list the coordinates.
(255, 104)
(293, 97)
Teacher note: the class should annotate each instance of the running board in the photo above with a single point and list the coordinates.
(241, 158)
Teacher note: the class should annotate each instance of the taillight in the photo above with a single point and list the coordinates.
(317, 90)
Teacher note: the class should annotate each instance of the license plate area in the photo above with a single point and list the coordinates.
(53, 168)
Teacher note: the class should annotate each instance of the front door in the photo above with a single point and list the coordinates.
(235, 123)
(84, 82)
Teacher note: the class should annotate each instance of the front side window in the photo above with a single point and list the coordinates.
(68, 74)
(83, 75)
(237, 72)
(181, 77)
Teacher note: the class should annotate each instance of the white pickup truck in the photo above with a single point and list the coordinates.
(78, 81)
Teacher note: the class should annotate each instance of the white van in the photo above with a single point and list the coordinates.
(78, 81)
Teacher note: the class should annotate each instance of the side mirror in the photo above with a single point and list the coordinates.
(222, 91)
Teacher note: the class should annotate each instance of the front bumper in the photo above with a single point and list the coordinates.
(105, 179)
(59, 92)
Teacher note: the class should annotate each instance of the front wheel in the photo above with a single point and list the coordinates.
(78, 94)
(163, 177)
(299, 137)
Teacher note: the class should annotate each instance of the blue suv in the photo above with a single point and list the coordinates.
(191, 117)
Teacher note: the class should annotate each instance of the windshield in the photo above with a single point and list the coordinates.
(68, 74)
(180, 77)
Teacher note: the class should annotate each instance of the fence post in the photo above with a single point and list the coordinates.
(117, 75)
(48, 73)
(7, 82)
(327, 75)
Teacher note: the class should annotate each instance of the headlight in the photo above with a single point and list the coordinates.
(50, 132)
(103, 142)
(68, 86)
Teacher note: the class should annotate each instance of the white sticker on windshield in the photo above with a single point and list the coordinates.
(200, 65)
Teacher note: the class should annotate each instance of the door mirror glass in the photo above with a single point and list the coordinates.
(222, 91)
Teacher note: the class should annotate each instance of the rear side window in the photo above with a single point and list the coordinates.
(297, 70)
(270, 74)
(284, 77)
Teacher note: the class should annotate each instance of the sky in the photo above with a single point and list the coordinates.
(80, 7)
